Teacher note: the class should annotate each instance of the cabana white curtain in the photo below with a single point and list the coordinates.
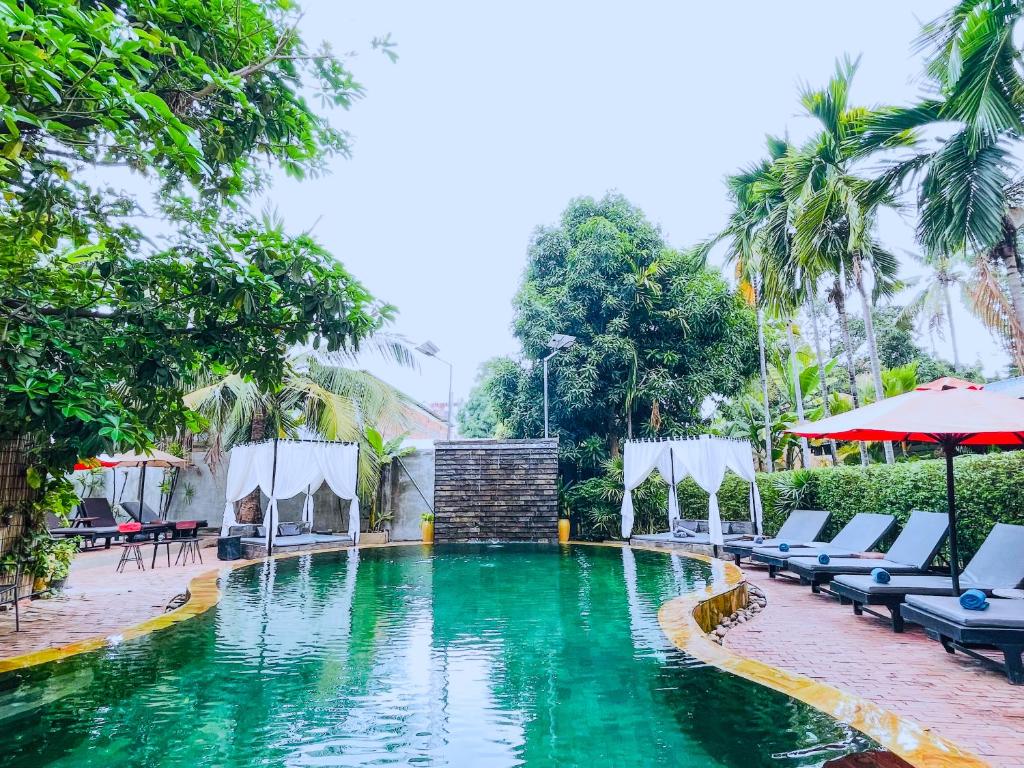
(301, 466)
(705, 459)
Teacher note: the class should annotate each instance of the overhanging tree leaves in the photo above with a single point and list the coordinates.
(100, 322)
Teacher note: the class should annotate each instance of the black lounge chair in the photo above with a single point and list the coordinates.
(140, 512)
(912, 552)
(1000, 626)
(861, 534)
(94, 521)
(801, 526)
(999, 563)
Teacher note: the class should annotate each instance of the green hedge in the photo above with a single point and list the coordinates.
(989, 489)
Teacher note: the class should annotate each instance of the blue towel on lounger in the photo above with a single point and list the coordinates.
(823, 558)
(759, 539)
(783, 547)
(973, 600)
(880, 575)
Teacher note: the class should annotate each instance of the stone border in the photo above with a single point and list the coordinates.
(685, 620)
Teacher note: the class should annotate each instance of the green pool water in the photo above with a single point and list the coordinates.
(466, 655)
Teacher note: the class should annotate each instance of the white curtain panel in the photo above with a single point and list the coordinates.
(741, 461)
(338, 465)
(296, 469)
(705, 460)
(671, 471)
(638, 459)
(241, 481)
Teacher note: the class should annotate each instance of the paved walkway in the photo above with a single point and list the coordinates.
(814, 636)
(99, 601)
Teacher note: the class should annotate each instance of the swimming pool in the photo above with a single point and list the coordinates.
(459, 655)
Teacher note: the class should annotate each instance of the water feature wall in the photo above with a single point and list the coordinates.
(496, 490)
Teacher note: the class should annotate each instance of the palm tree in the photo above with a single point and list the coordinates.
(319, 392)
(750, 211)
(836, 211)
(932, 303)
(967, 199)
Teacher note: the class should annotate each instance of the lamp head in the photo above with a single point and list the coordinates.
(428, 348)
(561, 341)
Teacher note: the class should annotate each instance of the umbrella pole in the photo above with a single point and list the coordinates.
(142, 492)
(954, 555)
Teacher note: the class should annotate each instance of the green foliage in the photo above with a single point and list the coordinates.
(477, 417)
(657, 333)
(102, 323)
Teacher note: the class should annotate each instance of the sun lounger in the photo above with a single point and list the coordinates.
(94, 521)
(998, 563)
(140, 512)
(801, 526)
(861, 534)
(912, 552)
(1000, 626)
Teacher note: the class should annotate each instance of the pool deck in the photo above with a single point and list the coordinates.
(99, 601)
(908, 673)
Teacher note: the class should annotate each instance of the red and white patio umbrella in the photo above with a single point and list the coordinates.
(949, 412)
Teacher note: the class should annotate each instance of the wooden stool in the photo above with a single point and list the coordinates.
(187, 532)
(131, 551)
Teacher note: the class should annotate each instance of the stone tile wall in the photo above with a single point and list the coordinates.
(496, 490)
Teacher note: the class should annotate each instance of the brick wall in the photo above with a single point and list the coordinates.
(501, 490)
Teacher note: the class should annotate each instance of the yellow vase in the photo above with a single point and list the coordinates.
(563, 530)
(428, 533)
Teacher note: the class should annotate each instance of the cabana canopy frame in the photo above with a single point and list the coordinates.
(283, 469)
(703, 458)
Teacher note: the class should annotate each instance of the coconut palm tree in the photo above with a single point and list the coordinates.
(836, 210)
(321, 393)
(931, 304)
(750, 211)
(967, 198)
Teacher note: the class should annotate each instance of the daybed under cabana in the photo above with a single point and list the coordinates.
(705, 459)
(282, 469)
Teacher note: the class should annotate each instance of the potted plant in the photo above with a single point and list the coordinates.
(427, 526)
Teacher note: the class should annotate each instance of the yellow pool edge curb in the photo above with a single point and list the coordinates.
(687, 620)
(678, 620)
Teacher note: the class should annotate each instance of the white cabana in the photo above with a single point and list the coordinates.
(285, 468)
(704, 458)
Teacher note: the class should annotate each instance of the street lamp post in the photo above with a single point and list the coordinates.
(430, 349)
(556, 344)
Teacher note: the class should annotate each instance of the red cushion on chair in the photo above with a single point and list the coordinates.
(185, 525)
(129, 527)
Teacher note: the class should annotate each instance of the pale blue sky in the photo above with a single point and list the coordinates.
(496, 115)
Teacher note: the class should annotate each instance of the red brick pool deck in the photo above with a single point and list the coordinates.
(99, 601)
(801, 633)
(908, 673)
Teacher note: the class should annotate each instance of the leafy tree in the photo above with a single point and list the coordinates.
(477, 417)
(102, 321)
(657, 335)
